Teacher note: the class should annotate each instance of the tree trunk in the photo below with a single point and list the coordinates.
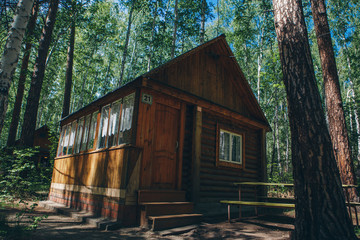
(287, 162)
(123, 61)
(11, 53)
(202, 23)
(356, 114)
(22, 79)
(259, 66)
(152, 37)
(274, 153)
(335, 110)
(173, 47)
(69, 68)
(28, 128)
(320, 204)
(277, 134)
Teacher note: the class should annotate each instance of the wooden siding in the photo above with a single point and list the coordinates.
(188, 153)
(104, 169)
(216, 183)
(205, 75)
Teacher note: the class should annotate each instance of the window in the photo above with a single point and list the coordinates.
(72, 138)
(126, 119)
(66, 139)
(92, 130)
(230, 148)
(103, 129)
(86, 133)
(114, 123)
(61, 142)
(79, 133)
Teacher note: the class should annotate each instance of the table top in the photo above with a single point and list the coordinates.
(265, 184)
(280, 184)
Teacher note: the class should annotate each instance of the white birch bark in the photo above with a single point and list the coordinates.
(11, 53)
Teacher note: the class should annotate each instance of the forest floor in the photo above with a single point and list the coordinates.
(58, 226)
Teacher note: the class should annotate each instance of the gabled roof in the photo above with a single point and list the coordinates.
(219, 49)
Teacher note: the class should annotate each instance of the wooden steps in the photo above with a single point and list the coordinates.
(171, 221)
(161, 196)
(168, 208)
(164, 209)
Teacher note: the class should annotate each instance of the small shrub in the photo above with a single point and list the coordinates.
(20, 177)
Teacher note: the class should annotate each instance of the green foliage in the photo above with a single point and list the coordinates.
(21, 175)
(101, 27)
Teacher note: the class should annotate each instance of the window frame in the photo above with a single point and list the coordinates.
(100, 129)
(117, 124)
(78, 139)
(72, 137)
(229, 163)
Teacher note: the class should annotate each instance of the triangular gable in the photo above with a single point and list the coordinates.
(210, 71)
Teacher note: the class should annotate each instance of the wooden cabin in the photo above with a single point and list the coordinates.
(181, 134)
(43, 143)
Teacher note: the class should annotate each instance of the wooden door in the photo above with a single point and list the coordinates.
(166, 144)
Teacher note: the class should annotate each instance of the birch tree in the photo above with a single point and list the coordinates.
(22, 78)
(11, 53)
(32, 105)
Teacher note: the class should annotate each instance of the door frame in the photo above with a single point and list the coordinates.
(147, 112)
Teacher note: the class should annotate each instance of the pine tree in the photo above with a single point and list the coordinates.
(320, 204)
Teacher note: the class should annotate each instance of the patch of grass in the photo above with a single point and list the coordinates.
(357, 231)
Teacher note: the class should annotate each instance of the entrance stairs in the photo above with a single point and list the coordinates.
(165, 209)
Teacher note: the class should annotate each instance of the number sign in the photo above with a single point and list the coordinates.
(147, 98)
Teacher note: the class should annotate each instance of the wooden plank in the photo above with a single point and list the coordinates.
(215, 109)
(264, 184)
(197, 152)
(181, 144)
(259, 204)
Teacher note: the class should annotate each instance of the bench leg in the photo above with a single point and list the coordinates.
(228, 212)
(239, 211)
(356, 214)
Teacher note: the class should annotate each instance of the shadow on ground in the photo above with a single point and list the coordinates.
(61, 227)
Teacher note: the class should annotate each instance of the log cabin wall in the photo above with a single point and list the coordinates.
(216, 182)
(188, 153)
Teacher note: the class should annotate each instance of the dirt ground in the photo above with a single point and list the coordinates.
(62, 227)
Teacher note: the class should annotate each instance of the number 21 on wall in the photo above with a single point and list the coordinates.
(147, 98)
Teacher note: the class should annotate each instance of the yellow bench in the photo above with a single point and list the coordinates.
(255, 204)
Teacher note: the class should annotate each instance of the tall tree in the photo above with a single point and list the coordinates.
(128, 31)
(29, 124)
(69, 63)
(320, 204)
(173, 47)
(203, 19)
(334, 105)
(11, 53)
(22, 79)
(153, 32)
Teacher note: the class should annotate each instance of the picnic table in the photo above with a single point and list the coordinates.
(257, 203)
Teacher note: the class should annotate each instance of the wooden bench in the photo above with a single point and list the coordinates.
(255, 204)
(354, 205)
